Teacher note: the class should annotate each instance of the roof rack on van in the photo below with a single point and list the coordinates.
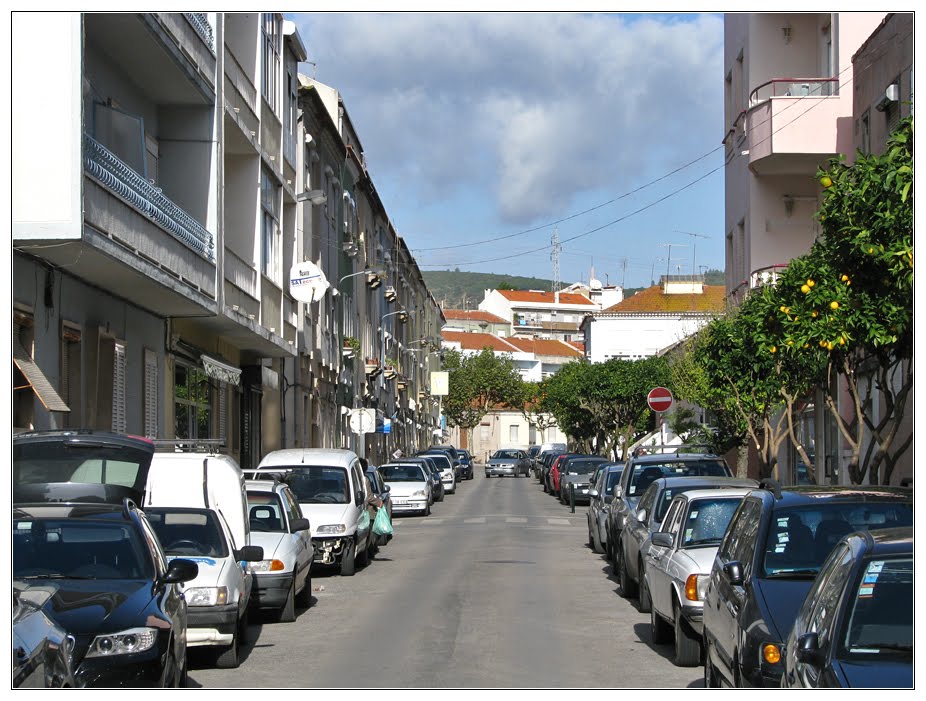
(188, 445)
(772, 485)
(276, 474)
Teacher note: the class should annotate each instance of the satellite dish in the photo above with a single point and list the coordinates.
(307, 283)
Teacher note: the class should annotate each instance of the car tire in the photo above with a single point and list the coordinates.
(288, 612)
(304, 597)
(545, 489)
(629, 588)
(687, 644)
(230, 657)
(710, 676)
(363, 559)
(427, 511)
(348, 564)
(659, 628)
(645, 601)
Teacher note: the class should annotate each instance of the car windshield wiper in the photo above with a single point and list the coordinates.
(702, 542)
(56, 576)
(880, 647)
(798, 573)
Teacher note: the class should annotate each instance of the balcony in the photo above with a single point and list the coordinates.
(793, 126)
(760, 277)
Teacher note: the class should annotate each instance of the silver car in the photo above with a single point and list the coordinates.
(510, 461)
(678, 566)
(600, 497)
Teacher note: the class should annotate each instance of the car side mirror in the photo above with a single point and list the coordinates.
(808, 650)
(617, 491)
(250, 553)
(593, 493)
(180, 570)
(734, 573)
(299, 524)
(641, 515)
(662, 539)
(386, 488)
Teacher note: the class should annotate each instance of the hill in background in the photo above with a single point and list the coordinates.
(455, 289)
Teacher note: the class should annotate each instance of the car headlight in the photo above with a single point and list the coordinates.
(267, 566)
(420, 493)
(123, 643)
(206, 596)
(331, 529)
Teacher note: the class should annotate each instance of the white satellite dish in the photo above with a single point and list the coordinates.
(307, 283)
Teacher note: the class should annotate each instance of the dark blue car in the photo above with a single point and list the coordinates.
(855, 628)
(767, 563)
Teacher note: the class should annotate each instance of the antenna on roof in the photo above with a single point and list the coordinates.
(554, 255)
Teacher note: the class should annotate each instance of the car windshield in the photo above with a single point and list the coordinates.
(707, 521)
(442, 461)
(265, 513)
(662, 504)
(319, 484)
(800, 537)
(879, 620)
(647, 473)
(188, 532)
(505, 455)
(583, 467)
(78, 549)
(611, 479)
(402, 473)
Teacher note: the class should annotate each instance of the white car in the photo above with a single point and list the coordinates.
(217, 600)
(677, 566)
(331, 491)
(444, 464)
(409, 486)
(283, 579)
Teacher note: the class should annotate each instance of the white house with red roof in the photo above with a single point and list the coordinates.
(553, 315)
(476, 320)
(534, 358)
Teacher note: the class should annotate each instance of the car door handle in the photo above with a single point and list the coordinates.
(732, 608)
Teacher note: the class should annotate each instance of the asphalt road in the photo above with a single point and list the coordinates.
(497, 588)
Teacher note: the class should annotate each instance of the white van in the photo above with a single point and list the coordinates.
(197, 503)
(330, 487)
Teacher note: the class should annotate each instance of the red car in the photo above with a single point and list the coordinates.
(553, 486)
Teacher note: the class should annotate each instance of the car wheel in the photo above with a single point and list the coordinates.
(348, 566)
(646, 603)
(545, 488)
(628, 586)
(229, 658)
(288, 612)
(659, 628)
(363, 559)
(427, 511)
(304, 597)
(687, 644)
(710, 676)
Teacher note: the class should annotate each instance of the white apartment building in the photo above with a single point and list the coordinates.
(543, 314)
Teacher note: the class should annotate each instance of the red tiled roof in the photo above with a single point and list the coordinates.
(652, 300)
(545, 346)
(478, 341)
(473, 315)
(545, 297)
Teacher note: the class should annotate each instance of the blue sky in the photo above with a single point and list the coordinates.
(485, 131)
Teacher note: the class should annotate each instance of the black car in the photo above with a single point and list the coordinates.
(575, 477)
(855, 629)
(546, 459)
(97, 571)
(87, 563)
(466, 464)
(767, 563)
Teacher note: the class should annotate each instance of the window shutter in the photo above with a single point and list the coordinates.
(151, 394)
(223, 412)
(119, 421)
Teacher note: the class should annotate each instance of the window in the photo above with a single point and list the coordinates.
(119, 416)
(70, 374)
(151, 394)
(192, 402)
(513, 433)
(865, 138)
(271, 34)
(270, 226)
(23, 404)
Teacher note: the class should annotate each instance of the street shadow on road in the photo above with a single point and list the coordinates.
(645, 633)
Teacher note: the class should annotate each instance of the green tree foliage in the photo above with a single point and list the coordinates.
(533, 408)
(848, 303)
(477, 383)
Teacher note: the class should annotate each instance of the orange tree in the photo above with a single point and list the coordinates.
(847, 306)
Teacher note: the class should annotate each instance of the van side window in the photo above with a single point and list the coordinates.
(355, 478)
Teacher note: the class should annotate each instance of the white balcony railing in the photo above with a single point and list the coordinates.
(105, 167)
(200, 22)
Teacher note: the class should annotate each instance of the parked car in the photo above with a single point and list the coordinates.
(552, 485)
(283, 579)
(639, 473)
(600, 498)
(430, 464)
(381, 490)
(532, 453)
(546, 463)
(508, 461)
(678, 563)
(329, 485)
(453, 455)
(87, 573)
(409, 485)
(446, 469)
(94, 571)
(647, 518)
(766, 564)
(575, 477)
(466, 464)
(855, 627)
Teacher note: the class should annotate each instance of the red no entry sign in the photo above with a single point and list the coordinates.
(659, 399)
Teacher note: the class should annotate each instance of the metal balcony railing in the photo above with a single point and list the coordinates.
(200, 22)
(111, 172)
(794, 87)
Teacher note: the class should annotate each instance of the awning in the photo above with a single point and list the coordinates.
(36, 379)
(220, 371)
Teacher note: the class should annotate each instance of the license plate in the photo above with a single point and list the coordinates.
(400, 501)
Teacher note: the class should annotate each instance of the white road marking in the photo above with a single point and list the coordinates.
(515, 520)
(558, 521)
(481, 519)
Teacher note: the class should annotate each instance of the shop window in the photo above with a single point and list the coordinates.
(192, 402)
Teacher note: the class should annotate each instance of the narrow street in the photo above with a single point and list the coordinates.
(497, 588)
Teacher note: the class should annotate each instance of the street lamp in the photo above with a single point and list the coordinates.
(313, 196)
(373, 274)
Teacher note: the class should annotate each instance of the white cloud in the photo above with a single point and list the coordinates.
(536, 108)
